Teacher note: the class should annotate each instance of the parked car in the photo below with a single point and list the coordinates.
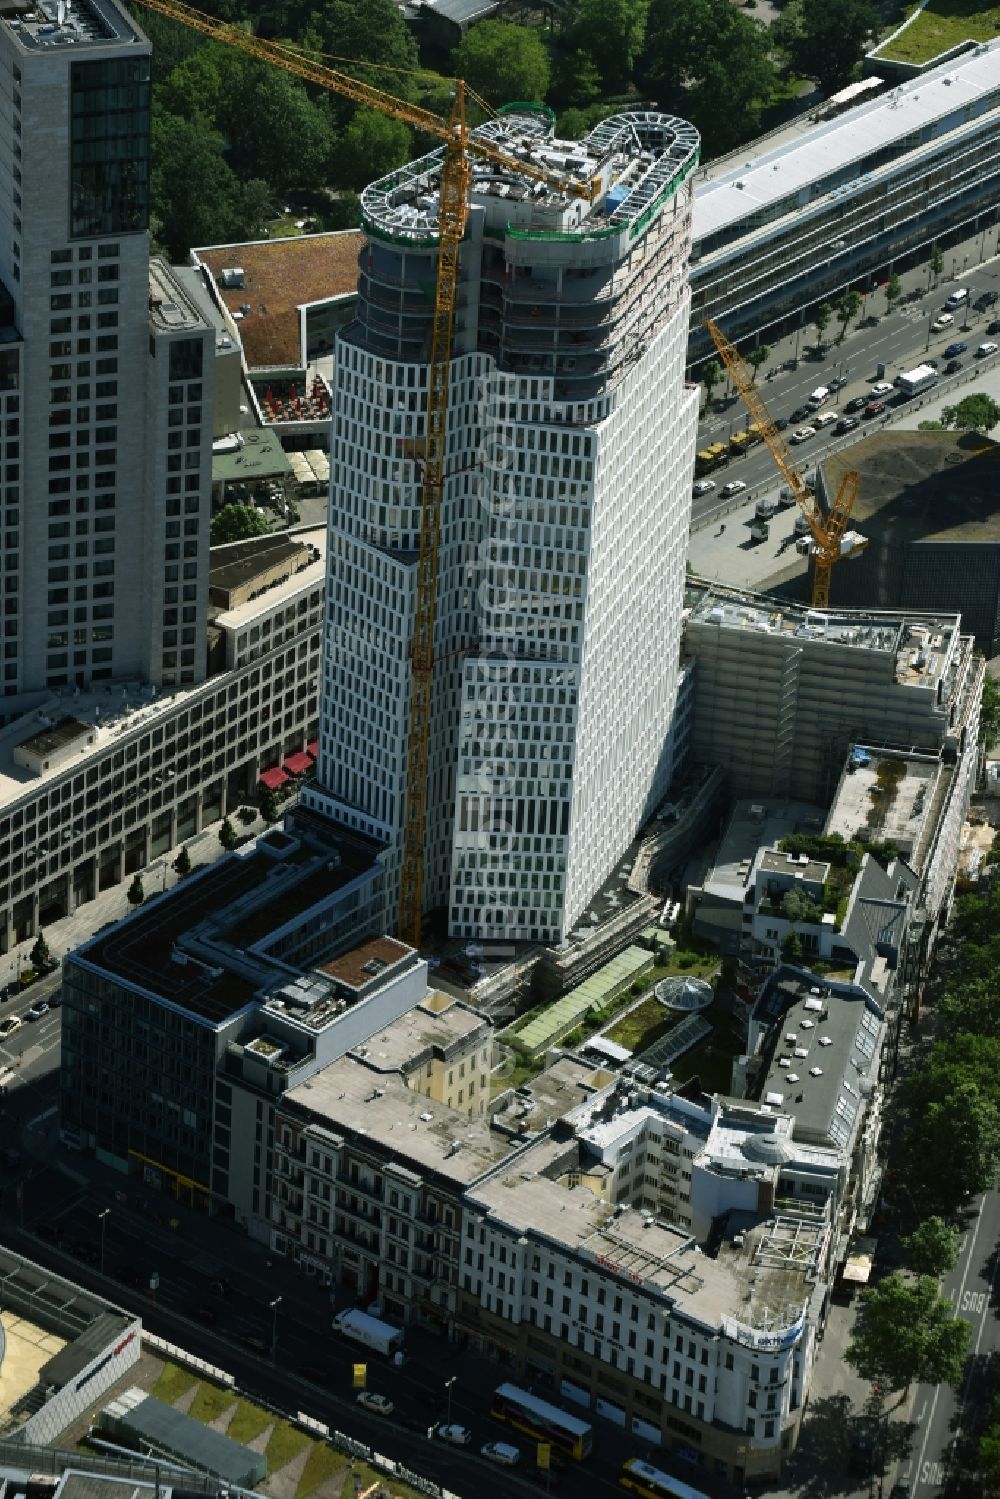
(502, 1453)
(800, 413)
(985, 350)
(932, 362)
(9, 1026)
(735, 486)
(704, 486)
(846, 424)
(55, 1000)
(958, 347)
(458, 1436)
(38, 1009)
(781, 422)
(881, 388)
(953, 366)
(874, 408)
(856, 403)
(803, 434)
(380, 1404)
(9, 991)
(837, 382)
(993, 327)
(256, 1344)
(942, 321)
(987, 299)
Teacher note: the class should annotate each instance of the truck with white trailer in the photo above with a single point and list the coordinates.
(912, 382)
(369, 1331)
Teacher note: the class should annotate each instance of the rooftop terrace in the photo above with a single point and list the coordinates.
(887, 800)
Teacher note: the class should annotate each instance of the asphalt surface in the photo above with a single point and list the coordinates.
(901, 340)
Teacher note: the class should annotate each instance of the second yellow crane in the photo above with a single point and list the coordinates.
(828, 531)
(456, 175)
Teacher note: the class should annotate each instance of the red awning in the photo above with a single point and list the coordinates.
(312, 748)
(274, 778)
(298, 764)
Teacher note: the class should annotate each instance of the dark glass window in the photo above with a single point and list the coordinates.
(110, 147)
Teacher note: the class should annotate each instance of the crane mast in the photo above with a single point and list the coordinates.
(827, 530)
(455, 183)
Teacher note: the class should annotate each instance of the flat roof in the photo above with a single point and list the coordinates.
(282, 275)
(85, 23)
(370, 960)
(60, 735)
(305, 578)
(252, 453)
(888, 633)
(348, 1095)
(170, 307)
(241, 561)
(922, 486)
(659, 1258)
(438, 1023)
(888, 800)
(863, 135)
(823, 1049)
(754, 825)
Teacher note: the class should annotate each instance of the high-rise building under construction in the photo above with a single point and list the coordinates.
(563, 530)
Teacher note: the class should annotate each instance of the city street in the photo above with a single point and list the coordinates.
(901, 340)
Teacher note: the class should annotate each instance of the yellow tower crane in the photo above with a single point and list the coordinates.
(456, 176)
(827, 530)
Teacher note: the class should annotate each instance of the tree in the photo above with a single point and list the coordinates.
(758, 356)
(135, 894)
(197, 199)
(937, 262)
(989, 714)
(847, 305)
(372, 146)
(503, 62)
(577, 79)
(791, 948)
(907, 1334)
(821, 319)
(40, 955)
(182, 864)
(227, 835)
(989, 1450)
(699, 52)
(237, 523)
(370, 29)
(931, 1249)
(711, 374)
(977, 412)
(893, 291)
(832, 40)
(269, 808)
(286, 138)
(953, 1142)
(612, 32)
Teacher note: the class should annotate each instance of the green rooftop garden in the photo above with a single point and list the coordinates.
(941, 25)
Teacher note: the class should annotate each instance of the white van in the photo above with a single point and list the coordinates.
(502, 1452)
(819, 397)
(958, 297)
(824, 419)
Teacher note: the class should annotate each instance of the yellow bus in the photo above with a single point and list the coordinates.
(539, 1419)
(643, 1479)
(710, 457)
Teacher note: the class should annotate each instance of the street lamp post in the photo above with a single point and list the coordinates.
(448, 1386)
(103, 1216)
(274, 1326)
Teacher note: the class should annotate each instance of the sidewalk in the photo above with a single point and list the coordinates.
(111, 905)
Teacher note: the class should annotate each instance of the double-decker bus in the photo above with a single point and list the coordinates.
(710, 457)
(539, 1419)
(652, 1484)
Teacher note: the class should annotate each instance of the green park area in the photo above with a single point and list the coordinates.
(310, 1463)
(941, 25)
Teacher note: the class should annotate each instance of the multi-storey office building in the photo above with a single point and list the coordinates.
(106, 372)
(95, 784)
(564, 522)
(780, 228)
